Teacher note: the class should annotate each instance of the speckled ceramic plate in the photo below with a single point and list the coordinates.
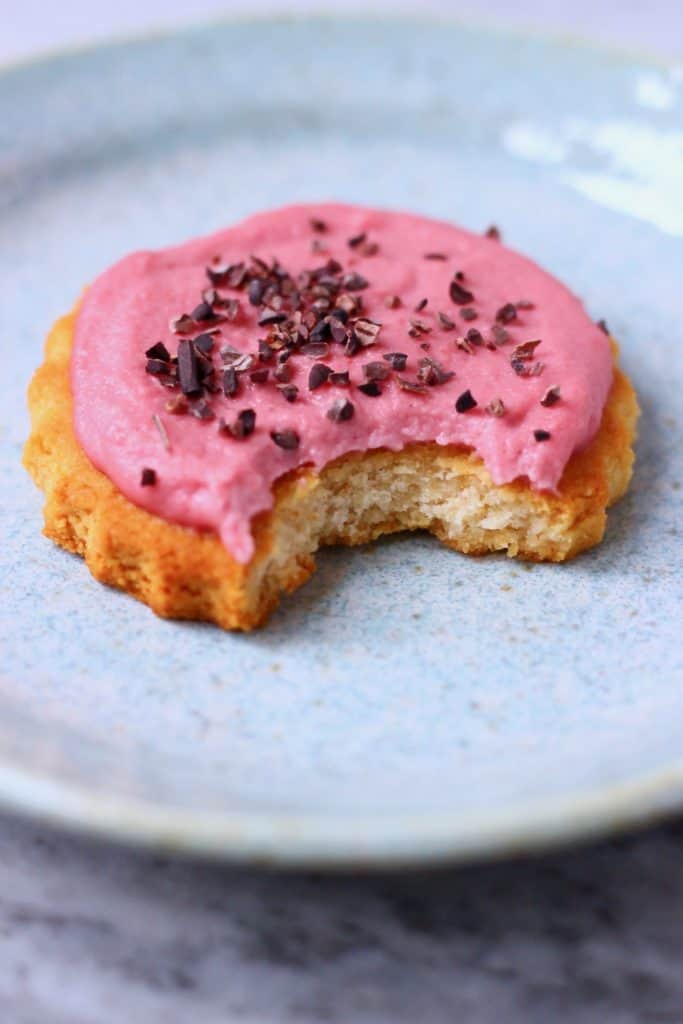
(408, 704)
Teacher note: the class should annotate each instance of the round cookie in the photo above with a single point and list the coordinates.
(202, 518)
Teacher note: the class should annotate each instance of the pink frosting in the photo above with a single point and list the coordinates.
(211, 481)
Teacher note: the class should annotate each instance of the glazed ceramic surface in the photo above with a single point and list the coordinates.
(408, 703)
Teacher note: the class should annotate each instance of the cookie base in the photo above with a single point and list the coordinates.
(186, 574)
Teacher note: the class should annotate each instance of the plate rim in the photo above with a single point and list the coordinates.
(493, 26)
(354, 842)
(293, 840)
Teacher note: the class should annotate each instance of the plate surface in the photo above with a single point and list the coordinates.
(409, 703)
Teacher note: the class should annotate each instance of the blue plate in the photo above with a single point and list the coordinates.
(408, 704)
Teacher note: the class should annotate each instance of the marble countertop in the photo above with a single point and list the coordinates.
(91, 934)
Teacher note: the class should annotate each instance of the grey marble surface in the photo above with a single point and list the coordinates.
(91, 934)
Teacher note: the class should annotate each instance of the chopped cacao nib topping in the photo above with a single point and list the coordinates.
(230, 382)
(202, 312)
(265, 352)
(256, 291)
(321, 331)
(204, 367)
(552, 396)
(375, 371)
(316, 350)
(396, 360)
(148, 477)
(157, 367)
(271, 316)
(338, 329)
(242, 427)
(523, 368)
(496, 407)
(542, 435)
(163, 434)
(202, 410)
(425, 345)
(246, 421)
(507, 313)
(347, 303)
(229, 354)
(493, 232)
(260, 264)
(242, 362)
(526, 350)
(318, 246)
(227, 275)
(283, 373)
(259, 376)
(159, 351)
(204, 343)
(459, 295)
(288, 391)
(602, 324)
(177, 405)
(232, 309)
(352, 345)
(418, 327)
(182, 324)
(340, 410)
(465, 402)
(304, 315)
(286, 439)
(354, 282)
(413, 386)
(217, 275)
(432, 372)
(188, 371)
(318, 376)
(366, 331)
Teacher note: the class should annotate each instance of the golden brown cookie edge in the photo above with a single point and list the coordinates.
(186, 574)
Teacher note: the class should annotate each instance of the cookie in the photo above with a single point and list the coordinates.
(209, 416)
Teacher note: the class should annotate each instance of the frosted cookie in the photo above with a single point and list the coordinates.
(211, 414)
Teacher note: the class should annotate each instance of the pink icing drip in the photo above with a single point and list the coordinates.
(209, 481)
